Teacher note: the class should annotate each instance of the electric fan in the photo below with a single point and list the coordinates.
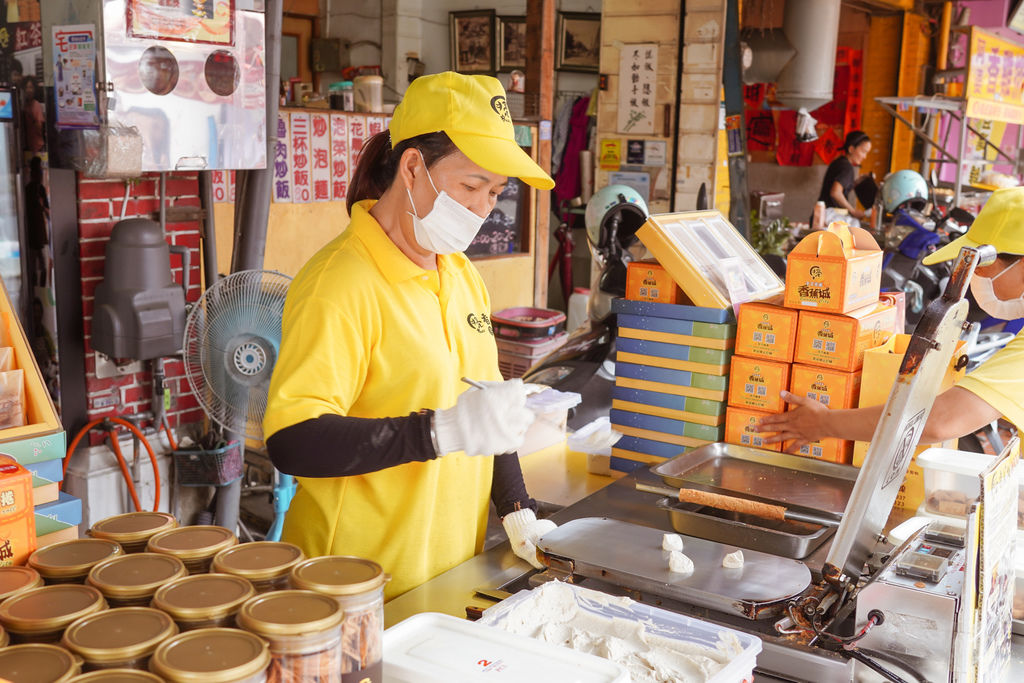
(232, 336)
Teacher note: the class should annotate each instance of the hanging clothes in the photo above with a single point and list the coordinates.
(560, 133)
(567, 180)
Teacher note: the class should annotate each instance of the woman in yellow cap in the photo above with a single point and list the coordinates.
(396, 457)
(994, 389)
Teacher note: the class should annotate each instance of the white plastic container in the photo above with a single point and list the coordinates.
(438, 648)
(551, 408)
(951, 480)
(691, 634)
(577, 308)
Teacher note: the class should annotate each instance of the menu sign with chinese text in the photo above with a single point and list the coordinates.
(995, 78)
(638, 72)
(282, 170)
(194, 21)
(74, 76)
(302, 183)
(321, 157)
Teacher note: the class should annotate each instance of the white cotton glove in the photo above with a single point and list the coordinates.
(487, 421)
(524, 530)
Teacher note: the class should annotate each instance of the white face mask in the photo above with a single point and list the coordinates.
(448, 227)
(984, 293)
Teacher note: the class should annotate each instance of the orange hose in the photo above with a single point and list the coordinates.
(116, 447)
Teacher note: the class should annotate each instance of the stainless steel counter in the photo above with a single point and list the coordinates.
(453, 591)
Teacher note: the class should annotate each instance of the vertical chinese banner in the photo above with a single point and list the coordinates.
(638, 74)
(231, 186)
(339, 157)
(321, 157)
(302, 183)
(356, 136)
(220, 186)
(282, 169)
(374, 125)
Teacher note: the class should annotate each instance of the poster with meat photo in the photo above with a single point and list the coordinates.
(193, 21)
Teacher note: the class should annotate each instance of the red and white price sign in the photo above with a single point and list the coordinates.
(339, 157)
(321, 157)
(302, 181)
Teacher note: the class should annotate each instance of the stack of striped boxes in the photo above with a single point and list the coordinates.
(58, 514)
(671, 377)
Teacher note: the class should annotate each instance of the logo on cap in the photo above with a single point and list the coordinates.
(500, 107)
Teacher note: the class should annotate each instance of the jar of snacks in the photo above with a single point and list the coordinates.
(204, 600)
(358, 586)
(132, 580)
(304, 632)
(70, 561)
(133, 529)
(117, 676)
(41, 614)
(193, 545)
(14, 580)
(38, 663)
(120, 638)
(267, 564)
(212, 655)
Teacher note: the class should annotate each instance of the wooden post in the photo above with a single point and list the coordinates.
(539, 103)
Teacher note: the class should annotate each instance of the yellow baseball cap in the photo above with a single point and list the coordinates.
(1000, 223)
(474, 113)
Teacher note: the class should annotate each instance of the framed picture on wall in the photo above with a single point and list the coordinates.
(511, 43)
(472, 39)
(579, 41)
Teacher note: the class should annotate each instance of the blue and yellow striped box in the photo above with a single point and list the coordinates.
(667, 381)
(631, 452)
(674, 356)
(701, 411)
(678, 432)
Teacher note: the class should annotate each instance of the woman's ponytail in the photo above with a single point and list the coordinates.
(378, 162)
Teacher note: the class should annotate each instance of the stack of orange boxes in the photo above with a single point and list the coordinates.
(814, 344)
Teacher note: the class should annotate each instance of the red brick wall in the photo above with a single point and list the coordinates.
(99, 208)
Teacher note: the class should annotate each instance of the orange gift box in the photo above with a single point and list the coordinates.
(839, 341)
(766, 331)
(832, 450)
(835, 270)
(739, 424)
(17, 517)
(757, 383)
(648, 281)
(835, 389)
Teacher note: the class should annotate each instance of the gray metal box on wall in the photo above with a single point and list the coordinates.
(193, 85)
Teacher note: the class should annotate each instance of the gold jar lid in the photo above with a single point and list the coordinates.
(135, 575)
(50, 608)
(339, 575)
(192, 542)
(133, 527)
(72, 558)
(203, 596)
(290, 613)
(211, 655)
(258, 561)
(37, 663)
(119, 635)
(14, 580)
(117, 676)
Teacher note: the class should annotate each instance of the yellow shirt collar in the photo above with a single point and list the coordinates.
(395, 265)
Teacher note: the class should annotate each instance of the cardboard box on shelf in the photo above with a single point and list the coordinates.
(691, 431)
(699, 314)
(758, 383)
(17, 521)
(668, 405)
(648, 281)
(836, 270)
(631, 452)
(44, 491)
(678, 382)
(50, 531)
(835, 389)
(710, 335)
(66, 509)
(739, 423)
(832, 450)
(694, 358)
(766, 331)
(839, 341)
(625, 356)
(651, 333)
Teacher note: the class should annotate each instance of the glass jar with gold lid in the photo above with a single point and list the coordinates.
(117, 676)
(193, 545)
(267, 564)
(132, 580)
(120, 638)
(14, 580)
(304, 632)
(70, 561)
(41, 614)
(203, 600)
(212, 655)
(133, 529)
(358, 586)
(38, 663)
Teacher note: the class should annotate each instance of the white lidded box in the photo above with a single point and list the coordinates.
(438, 648)
(951, 480)
(730, 655)
(551, 411)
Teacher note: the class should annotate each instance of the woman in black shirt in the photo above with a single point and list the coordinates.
(840, 175)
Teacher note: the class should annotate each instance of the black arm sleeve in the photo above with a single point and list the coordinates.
(508, 490)
(341, 446)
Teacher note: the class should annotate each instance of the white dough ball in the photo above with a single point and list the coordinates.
(733, 560)
(679, 563)
(671, 542)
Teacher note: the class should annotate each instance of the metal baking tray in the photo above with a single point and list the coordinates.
(785, 539)
(767, 476)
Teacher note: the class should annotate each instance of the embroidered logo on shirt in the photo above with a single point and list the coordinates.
(481, 323)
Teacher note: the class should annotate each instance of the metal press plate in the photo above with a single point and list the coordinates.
(631, 556)
(763, 475)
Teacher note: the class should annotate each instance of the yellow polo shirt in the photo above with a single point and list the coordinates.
(1000, 381)
(368, 333)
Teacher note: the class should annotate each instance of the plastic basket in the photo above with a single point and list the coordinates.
(515, 358)
(215, 467)
(527, 322)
